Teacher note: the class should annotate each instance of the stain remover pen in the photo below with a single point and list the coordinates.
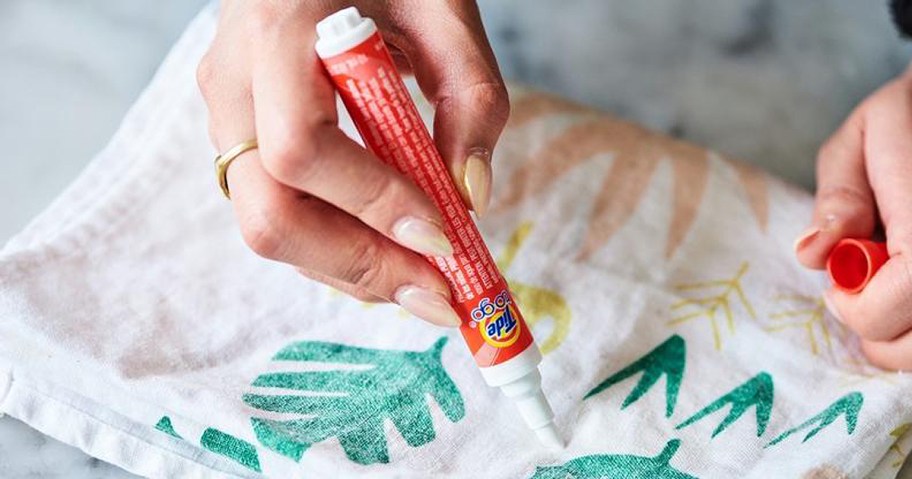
(363, 72)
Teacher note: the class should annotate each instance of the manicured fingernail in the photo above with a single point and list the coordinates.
(477, 181)
(422, 236)
(428, 305)
(828, 302)
(806, 238)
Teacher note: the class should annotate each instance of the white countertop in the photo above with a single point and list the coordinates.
(764, 80)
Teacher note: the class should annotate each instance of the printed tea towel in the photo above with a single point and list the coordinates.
(681, 338)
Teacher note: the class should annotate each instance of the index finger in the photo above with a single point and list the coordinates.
(301, 146)
(888, 161)
(883, 310)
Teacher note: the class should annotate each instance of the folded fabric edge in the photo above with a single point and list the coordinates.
(888, 468)
(115, 439)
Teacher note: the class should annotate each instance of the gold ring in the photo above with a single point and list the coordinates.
(223, 161)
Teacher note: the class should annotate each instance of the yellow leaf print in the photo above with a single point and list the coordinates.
(899, 433)
(716, 306)
(807, 313)
(537, 304)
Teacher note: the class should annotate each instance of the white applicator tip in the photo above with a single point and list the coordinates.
(548, 436)
(533, 406)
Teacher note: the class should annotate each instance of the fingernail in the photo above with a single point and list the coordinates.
(422, 236)
(806, 238)
(428, 305)
(830, 307)
(477, 181)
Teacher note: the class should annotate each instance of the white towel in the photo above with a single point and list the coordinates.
(681, 337)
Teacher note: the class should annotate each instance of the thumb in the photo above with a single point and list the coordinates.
(844, 205)
(456, 70)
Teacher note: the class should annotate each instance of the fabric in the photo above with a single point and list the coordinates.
(681, 338)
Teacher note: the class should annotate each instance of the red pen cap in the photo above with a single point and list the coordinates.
(853, 262)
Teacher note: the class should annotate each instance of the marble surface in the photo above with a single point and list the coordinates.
(763, 80)
(26, 453)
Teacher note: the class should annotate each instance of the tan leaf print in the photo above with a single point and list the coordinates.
(531, 106)
(620, 193)
(691, 173)
(636, 153)
(573, 147)
(824, 472)
(754, 183)
(635, 162)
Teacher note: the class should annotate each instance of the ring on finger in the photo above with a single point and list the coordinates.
(223, 161)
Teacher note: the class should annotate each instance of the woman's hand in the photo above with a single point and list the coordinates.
(864, 181)
(313, 198)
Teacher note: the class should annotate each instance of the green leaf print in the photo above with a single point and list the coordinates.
(219, 442)
(610, 466)
(758, 391)
(666, 359)
(352, 400)
(848, 406)
(164, 425)
(231, 447)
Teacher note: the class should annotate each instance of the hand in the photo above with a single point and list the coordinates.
(864, 181)
(313, 198)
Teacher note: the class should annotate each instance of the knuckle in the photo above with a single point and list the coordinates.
(872, 354)
(365, 268)
(262, 234)
(863, 328)
(493, 99)
(877, 356)
(291, 155)
(843, 193)
(206, 73)
(852, 204)
(378, 197)
(888, 363)
(263, 17)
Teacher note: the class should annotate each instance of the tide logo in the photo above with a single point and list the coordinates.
(496, 320)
